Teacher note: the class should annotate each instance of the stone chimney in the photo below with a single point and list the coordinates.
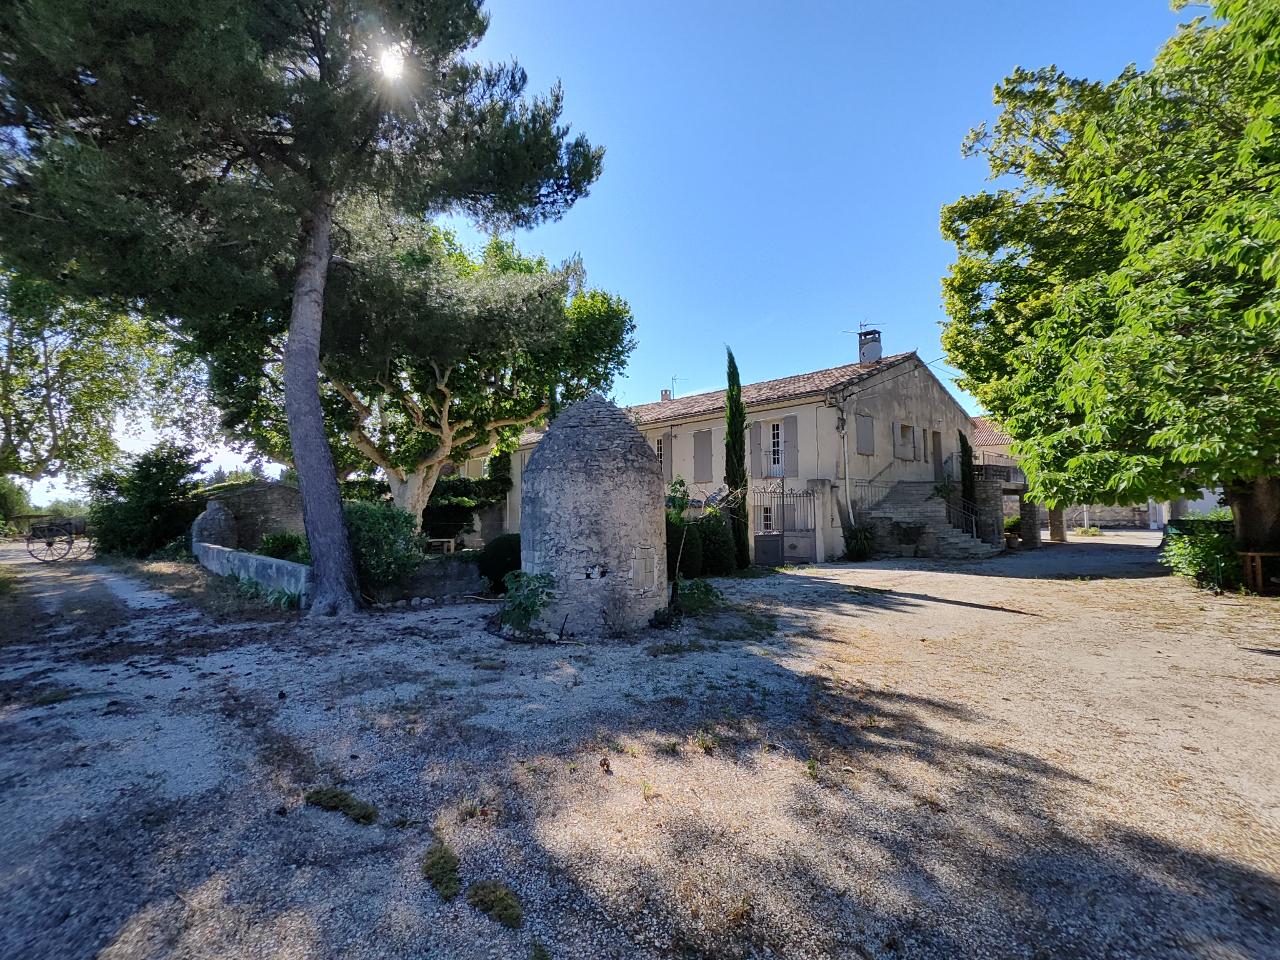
(666, 395)
(868, 346)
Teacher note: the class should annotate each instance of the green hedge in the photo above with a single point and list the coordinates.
(383, 543)
(719, 556)
(500, 556)
(1205, 552)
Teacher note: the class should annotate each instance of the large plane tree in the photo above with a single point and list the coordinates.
(1117, 304)
(192, 155)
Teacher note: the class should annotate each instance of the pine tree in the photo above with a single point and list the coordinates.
(735, 461)
(192, 155)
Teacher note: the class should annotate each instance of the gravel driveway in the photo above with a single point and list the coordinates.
(1058, 753)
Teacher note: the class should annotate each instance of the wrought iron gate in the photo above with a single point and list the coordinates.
(784, 522)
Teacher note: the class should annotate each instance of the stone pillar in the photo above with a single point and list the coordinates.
(216, 526)
(989, 503)
(1030, 514)
(1057, 526)
(822, 543)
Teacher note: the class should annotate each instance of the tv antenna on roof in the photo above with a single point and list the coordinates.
(674, 378)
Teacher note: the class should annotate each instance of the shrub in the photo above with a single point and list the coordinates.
(148, 505)
(500, 556)
(719, 556)
(175, 551)
(1087, 532)
(859, 542)
(684, 546)
(528, 594)
(383, 543)
(1012, 524)
(333, 798)
(285, 545)
(1205, 553)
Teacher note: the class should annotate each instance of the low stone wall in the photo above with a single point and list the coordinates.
(270, 573)
(440, 578)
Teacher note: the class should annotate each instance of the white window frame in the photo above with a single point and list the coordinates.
(657, 446)
(775, 452)
(766, 519)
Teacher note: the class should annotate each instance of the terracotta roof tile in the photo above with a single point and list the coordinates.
(987, 434)
(753, 394)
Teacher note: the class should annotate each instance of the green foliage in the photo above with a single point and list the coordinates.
(1013, 524)
(735, 461)
(498, 901)
(859, 542)
(968, 482)
(454, 500)
(697, 597)
(689, 544)
(1117, 306)
(333, 798)
(432, 351)
(65, 508)
(138, 510)
(1204, 552)
(499, 557)
(285, 545)
(14, 498)
(528, 594)
(440, 867)
(718, 555)
(177, 550)
(383, 542)
(70, 369)
(677, 499)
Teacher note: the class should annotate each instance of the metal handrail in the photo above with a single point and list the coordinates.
(963, 515)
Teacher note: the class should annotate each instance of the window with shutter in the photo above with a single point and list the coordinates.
(865, 435)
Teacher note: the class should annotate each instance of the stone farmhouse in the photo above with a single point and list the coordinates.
(872, 439)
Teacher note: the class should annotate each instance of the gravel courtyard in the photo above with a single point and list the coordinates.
(1051, 754)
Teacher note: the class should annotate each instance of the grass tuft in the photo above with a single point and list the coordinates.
(497, 901)
(440, 867)
(331, 798)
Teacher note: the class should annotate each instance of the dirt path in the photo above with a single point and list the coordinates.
(1060, 753)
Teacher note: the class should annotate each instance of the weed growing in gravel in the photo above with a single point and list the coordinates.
(498, 901)
(670, 747)
(649, 791)
(811, 768)
(51, 695)
(539, 952)
(706, 741)
(331, 798)
(440, 867)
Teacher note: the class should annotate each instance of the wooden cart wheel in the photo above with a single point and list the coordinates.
(50, 542)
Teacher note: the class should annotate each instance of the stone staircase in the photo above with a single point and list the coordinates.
(913, 502)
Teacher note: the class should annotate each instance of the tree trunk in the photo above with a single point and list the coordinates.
(334, 588)
(1255, 509)
(1057, 526)
(412, 493)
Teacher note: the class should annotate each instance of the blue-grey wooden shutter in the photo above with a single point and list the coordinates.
(865, 430)
(702, 456)
(756, 471)
(790, 447)
(668, 456)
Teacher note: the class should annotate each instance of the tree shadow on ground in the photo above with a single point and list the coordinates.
(1110, 559)
(750, 806)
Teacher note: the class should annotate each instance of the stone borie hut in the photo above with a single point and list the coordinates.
(592, 515)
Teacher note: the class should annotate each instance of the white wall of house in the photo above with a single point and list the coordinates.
(906, 404)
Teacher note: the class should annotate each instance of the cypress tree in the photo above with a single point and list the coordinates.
(735, 461)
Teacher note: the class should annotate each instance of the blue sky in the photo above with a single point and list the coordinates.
(774, 170)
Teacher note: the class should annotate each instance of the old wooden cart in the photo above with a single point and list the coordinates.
(65, 538)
